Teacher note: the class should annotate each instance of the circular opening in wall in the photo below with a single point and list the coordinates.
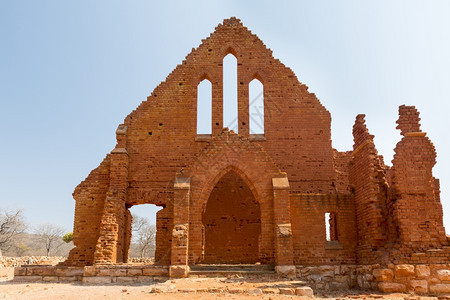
(217, 124)
(149, 133)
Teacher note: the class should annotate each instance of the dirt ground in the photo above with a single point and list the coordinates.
(179, 289)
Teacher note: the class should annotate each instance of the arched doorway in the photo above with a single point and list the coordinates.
(232, 222)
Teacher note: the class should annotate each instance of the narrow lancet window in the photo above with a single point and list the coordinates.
(204, 107)
(331, 226)
(230, 99)
(256, 111)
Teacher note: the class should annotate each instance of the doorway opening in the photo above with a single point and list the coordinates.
(232, 223)
(143, 233)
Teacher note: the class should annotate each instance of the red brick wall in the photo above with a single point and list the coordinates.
(367, 178)
(89, 202)
(417, 209)
(309, 231)
(158, 140)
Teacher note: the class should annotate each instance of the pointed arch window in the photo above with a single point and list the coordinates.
(256, 109)
(204, 107)
(230, 99)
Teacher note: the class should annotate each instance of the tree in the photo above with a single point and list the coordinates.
(21, 249)
(11, 224)
(51, 236)
(146, 238)
(68, 237)
(138, 223)
(144, 234)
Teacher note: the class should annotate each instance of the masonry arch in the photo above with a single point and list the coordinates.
(251, 166)
(228, 169)
(232, 222)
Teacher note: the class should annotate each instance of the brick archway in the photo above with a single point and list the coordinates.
(232, 222)
(227, 152)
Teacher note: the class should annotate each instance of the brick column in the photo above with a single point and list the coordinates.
(284, 249)
(243, 104)
(110, 244)
(217, 104)
(180, 241)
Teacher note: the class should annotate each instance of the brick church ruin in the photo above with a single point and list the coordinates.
(236, 197)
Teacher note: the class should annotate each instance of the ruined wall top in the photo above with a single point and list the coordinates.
(408, 120)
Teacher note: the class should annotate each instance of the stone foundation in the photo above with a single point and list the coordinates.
(100, 274)
(420, 279)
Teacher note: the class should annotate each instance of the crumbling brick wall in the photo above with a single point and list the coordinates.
(89, 202)
(417, 209)
(367, 178)
(309, 231)
(291, 170)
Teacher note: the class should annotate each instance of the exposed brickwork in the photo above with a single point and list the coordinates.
(417, 209)
(242, 198)
(367, 178)
(309, 232)
(90, 200)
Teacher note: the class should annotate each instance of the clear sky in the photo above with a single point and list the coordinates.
(70, 72)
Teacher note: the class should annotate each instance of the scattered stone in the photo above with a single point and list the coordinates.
(187, 290)
(304, 291)
(255, 292)
(157, 290)
(287, 291)
(236, 290)
(271, 291)
(286, 271)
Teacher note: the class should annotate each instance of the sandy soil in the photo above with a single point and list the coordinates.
(206, 288)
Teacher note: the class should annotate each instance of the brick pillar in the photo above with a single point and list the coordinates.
(284, 249)
(217, 104)
(243, 104)
(110, 244)
(180, 233)
(417, 208)
(127, 235)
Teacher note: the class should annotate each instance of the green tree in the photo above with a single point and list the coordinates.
(68, 237)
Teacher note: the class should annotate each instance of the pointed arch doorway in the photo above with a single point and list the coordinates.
(232, 223)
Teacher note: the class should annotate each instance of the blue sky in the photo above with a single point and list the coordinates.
(70, 72)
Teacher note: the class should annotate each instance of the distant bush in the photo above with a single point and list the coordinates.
(68, 237)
